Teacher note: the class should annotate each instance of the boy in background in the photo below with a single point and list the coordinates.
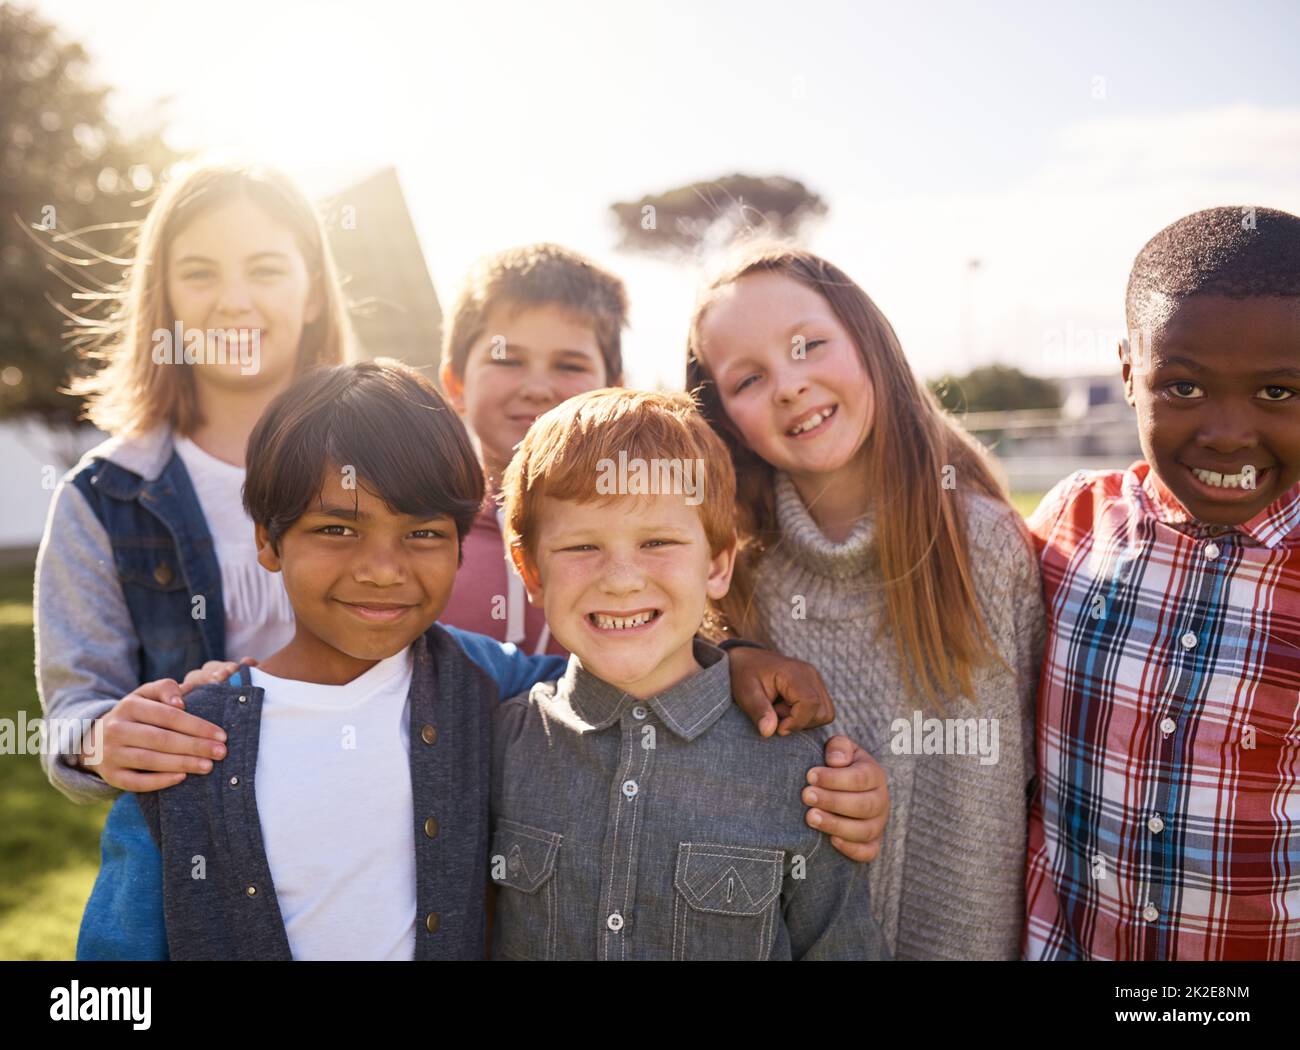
(531, 327)
(1166, 822)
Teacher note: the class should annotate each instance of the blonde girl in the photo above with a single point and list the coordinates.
(147, 569)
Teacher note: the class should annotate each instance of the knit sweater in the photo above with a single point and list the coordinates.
(949, 881)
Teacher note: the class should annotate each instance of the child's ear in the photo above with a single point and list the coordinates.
(721, 566)
(528, 573)
(452, 387)
(266, 553)
(1126, 370)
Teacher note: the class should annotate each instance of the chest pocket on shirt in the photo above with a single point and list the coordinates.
(522, 862)
(726, 899)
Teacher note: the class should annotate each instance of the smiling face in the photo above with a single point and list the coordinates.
(1218, 404)
(625, 583)
(789, 376)
(236, 268)
(526, 362)
(364, 581)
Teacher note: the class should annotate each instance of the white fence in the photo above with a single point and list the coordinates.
(32, 459)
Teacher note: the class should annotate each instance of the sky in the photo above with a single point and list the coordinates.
(1050, 142)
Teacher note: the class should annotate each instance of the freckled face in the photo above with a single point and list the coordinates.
(1218, 404)
(625, 583)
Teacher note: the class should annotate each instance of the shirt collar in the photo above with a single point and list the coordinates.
(1275, 523)
(145, 454)
(688, 708)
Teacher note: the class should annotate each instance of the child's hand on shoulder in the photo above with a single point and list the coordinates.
(148, 742)
(848, 799)
(778, 693)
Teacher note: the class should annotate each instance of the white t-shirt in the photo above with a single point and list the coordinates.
(333, 787)
(259, 618)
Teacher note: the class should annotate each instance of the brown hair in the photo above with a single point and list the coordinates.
(539, 275)
(380, 417)
(568, 448)
(130, 394)
(931, 603)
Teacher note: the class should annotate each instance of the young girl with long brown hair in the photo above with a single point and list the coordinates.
(881, 548)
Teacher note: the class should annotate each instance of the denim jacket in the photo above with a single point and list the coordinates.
(662, 829)
(232, 912)
(125, 555)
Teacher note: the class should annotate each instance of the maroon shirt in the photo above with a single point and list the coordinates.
(483, 599)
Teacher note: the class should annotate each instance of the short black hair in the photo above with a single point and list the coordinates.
(1239, 252)
(382, 418)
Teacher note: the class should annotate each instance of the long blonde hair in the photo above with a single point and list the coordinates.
(129, 394)
(930, 597)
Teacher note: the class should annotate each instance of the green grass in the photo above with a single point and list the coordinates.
(1025, 502)
(49, 846)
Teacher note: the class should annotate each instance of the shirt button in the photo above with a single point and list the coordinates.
(1188, 640)
(431, 922)
(429, 735)
(1150, 913)
(639, 712)
(629, 788)
(251, 891)
(1211, 551)
(615, 922)
(431, 827)
(163, 574)
(1167, 726)
(234, 782)
(1156, 825)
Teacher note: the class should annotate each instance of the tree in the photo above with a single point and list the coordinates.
(70, 188)
(710, 214)
(995, 388)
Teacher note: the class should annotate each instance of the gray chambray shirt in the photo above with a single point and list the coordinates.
(662, 829)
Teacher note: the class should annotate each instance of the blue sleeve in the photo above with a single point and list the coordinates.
(512, 671)
(124, 916)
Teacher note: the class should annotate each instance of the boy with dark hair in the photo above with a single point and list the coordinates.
(623, 798)
(1166, 823)
(369, 715)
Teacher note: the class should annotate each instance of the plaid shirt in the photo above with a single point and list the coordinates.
(1166, 820)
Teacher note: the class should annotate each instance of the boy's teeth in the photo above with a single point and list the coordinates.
(812, 421)
(621, 623)
(1226, 481)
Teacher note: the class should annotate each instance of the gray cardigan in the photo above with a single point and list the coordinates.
(232, 913)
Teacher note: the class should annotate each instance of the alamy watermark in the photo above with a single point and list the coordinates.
(634, 476)
(208, 346)
(47, 736)
(946, 736)
(92, 1003)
